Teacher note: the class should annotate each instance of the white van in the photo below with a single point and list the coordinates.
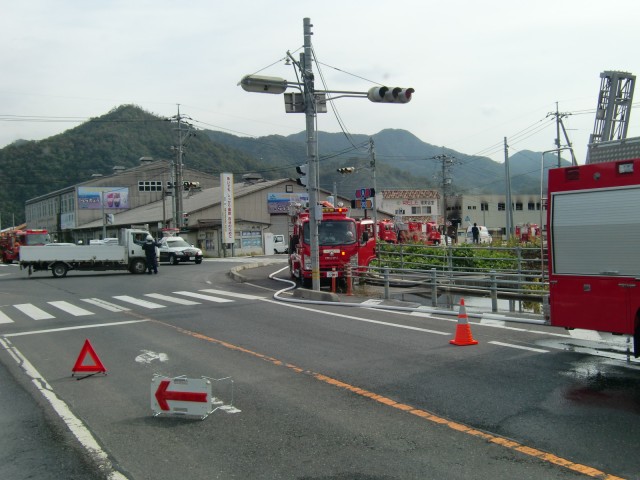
(485, 237)
(279, 244)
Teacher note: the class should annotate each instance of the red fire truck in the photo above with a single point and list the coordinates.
(409, 232)
(342, 241)
(387, 231)
(419, 232)
(593, 224)
(11, 241)
(527, 232)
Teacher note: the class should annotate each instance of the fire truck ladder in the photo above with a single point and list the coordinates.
(614, 106)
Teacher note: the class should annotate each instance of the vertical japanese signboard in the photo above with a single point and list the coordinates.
(228, 226)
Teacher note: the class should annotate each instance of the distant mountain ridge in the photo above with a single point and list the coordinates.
(127, 133)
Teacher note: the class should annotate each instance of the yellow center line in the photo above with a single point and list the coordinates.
(498, 440)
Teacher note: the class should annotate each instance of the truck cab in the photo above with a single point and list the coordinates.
(343, 243)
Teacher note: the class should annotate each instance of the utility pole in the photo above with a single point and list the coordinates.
(372, 150)
(312, 152)
(311, 107)
(507, 176)
(183, 133)
(446, 180)
(560, 125)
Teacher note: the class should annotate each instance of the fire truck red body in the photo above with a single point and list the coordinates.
(419, 232)
(409, 232)
(593, 224)
(11, 241)
(387, 231)
(527, 232)
(342, 241)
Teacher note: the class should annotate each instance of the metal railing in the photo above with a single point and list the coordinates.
(515, 274)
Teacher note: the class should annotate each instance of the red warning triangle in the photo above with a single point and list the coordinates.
(96, 366)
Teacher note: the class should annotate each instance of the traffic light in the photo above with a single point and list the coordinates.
(390, 95)
(109, 218)
(346, 170)
(302, 170)
(185, 219)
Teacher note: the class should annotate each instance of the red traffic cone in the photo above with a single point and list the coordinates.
(463, 330)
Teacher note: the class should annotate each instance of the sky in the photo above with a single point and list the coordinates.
(482, 71)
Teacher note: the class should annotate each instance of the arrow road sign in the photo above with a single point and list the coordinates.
(181, 395)
(163, 394)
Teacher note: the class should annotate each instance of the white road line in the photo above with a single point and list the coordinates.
(4, 318)
(520, 347)
(358, 319)
(79, 430)
(112, 307)
(138, 301)
(232, 294)
(70, 308)
(33, 311)
(167, 298)
(204, 297)
(75, 327)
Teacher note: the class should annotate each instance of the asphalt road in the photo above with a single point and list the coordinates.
(319, 391)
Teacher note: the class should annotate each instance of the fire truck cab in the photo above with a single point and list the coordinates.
(593, 224)
(387, 231)
(343, 242)
(11, 241)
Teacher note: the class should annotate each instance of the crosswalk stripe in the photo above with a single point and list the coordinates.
(112, 307)
(167, 298)
(70, 308)
(139, 302)
(204, 297)
(4, 318)
(33, 311)
(232, 294)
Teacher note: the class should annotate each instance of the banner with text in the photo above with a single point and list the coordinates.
(228, 224)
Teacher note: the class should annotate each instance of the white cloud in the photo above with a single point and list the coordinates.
(482, 70)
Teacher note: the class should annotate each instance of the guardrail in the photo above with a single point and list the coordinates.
(515, 274)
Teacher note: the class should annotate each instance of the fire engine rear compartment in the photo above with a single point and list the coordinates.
(595, 260)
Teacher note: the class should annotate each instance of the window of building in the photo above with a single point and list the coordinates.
(484, 206)
(149, 186)
(518, 205)
(531, 206)
(501, 206)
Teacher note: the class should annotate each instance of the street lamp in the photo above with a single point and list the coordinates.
(542, 204)
(314, 102)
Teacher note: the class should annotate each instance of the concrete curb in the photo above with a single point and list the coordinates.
(315, 296)
(238, 277)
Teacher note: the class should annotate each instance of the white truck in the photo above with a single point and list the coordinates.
(127, 255)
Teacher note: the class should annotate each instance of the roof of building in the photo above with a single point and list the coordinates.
(197, 201)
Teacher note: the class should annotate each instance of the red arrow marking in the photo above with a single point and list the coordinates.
(162, 395)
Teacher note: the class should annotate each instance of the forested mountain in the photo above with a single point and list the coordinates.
(122, 136)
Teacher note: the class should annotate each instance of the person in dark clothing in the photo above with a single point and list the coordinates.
(149, 247)
(475, 233)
